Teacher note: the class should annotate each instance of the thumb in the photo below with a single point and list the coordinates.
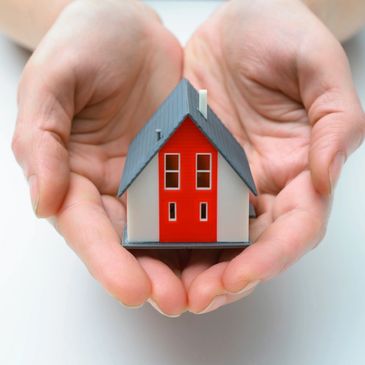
(333, 108)
(40, 139)
(334, 138)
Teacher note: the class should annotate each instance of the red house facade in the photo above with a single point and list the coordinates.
(188, 194)
(187, 179)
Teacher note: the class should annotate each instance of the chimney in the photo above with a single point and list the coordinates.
(203, 102)
(158, 134)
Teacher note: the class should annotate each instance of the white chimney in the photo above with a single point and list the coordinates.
(203, 102)
(158, 134)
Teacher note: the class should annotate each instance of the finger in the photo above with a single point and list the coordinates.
(264, 208)
(229, 254)
(87, 229)
(167, 292)
(334, 138)
(207, 292)
(299, 224)
(199, 261)
(333, 109)
(218, 295)
(204, 279)
(41, 135)
(168, 295)
(115, 211)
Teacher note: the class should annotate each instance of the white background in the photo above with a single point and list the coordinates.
(53, 312)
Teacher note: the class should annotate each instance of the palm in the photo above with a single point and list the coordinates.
(103, 128)
(102, 131)
(118, 93)
(251, 96)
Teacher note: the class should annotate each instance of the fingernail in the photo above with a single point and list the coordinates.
(155, 306)
(227, 298)
(131, 306)
(247, 288)
(217, 302)
(34, 193)
(127, 306)
(335, 169)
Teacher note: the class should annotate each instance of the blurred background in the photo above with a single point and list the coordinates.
(53, 312)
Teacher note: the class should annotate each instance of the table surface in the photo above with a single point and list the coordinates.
(53, 312)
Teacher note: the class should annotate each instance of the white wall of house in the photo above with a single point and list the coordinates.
(233, 205)
(143, 205)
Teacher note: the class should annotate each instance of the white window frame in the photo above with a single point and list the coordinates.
(209, 171)
(168, 207)
(206, 211)
(177, 171)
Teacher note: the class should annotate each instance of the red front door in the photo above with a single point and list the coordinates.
(188, 187)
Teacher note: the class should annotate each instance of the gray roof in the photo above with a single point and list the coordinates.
(182, 102)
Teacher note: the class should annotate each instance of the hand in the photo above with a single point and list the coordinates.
(97, 76)
(281, 83)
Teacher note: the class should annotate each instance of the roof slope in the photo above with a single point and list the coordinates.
(182, 102)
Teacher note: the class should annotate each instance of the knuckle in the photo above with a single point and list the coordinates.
(17, 146)
(357, 131)
(320, 230)
(125, 292)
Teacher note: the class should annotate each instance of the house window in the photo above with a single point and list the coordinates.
(203, 170)
(172, 211)
(172, 171)
(203, 212)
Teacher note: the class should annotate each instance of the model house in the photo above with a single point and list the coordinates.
(186, 178)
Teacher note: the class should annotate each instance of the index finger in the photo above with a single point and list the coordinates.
(299, 223)
(87, 229)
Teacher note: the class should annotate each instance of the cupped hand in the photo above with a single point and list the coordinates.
(281, 83)
(275, 76)
(94, 80)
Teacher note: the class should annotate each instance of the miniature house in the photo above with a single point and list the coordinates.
(187, 179)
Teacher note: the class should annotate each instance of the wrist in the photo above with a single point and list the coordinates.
(27, 21)
(342, 19)
(134, 8)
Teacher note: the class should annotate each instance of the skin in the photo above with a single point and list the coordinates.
(281, 83)
(84, 94)
(277, 78)
(343, 18)
(27, 21)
